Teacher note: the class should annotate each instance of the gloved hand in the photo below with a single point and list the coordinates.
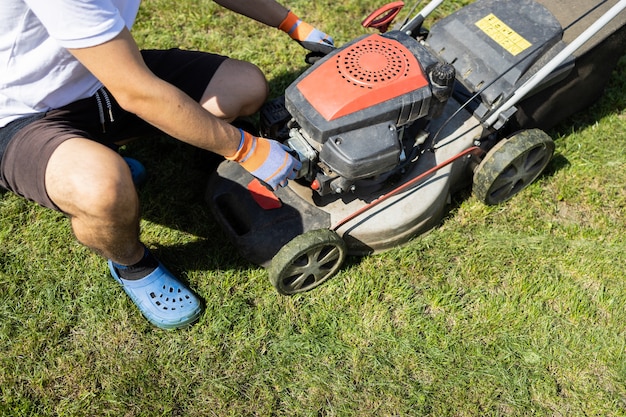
(306, 35)
(266, 159)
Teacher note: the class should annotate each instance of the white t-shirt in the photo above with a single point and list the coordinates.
(36, 71)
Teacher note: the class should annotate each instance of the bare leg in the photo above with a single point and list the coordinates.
(93, 186)
(238, 88)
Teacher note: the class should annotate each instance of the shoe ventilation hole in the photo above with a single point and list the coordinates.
(179, 299)
(372, 62)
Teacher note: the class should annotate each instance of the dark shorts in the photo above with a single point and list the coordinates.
(27, 144)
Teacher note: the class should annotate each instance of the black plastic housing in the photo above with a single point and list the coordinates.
(403, 109)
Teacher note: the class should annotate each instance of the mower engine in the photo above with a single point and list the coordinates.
(355, 117)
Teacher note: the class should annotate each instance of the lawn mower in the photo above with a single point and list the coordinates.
(391, 124)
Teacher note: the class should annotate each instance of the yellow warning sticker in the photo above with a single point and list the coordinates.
(500, 32)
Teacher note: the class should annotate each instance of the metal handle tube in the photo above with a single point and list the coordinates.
(417, 21)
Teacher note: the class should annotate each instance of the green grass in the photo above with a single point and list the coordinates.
(512, 310)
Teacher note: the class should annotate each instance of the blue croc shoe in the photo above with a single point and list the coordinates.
(137, 171)
(162, 298)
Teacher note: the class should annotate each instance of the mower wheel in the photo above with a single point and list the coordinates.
(307, 261)
(511, 165)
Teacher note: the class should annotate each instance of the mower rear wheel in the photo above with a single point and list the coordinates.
(511, 165)
(307, 261)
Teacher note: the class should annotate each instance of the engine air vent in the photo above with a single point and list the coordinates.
(372, 62)
(368, 72)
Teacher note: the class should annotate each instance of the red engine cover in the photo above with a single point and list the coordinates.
(369, 72)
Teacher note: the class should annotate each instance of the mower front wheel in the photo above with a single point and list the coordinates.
(307, 261)
(511, 165)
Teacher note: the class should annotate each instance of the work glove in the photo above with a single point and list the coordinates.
(266, 159)
(306, 35)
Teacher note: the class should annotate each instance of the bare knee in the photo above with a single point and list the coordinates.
(90, 181)
(238, 88)
(111, 198)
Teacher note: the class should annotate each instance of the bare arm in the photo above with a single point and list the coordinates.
(159, 103)
(274, 14)
(267, 12)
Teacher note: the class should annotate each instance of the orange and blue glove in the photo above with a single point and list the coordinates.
(306, 35)
(266, 159)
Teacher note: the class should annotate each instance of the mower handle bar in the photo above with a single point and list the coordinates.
(419, 18)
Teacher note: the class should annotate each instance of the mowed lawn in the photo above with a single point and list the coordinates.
(510, 310)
